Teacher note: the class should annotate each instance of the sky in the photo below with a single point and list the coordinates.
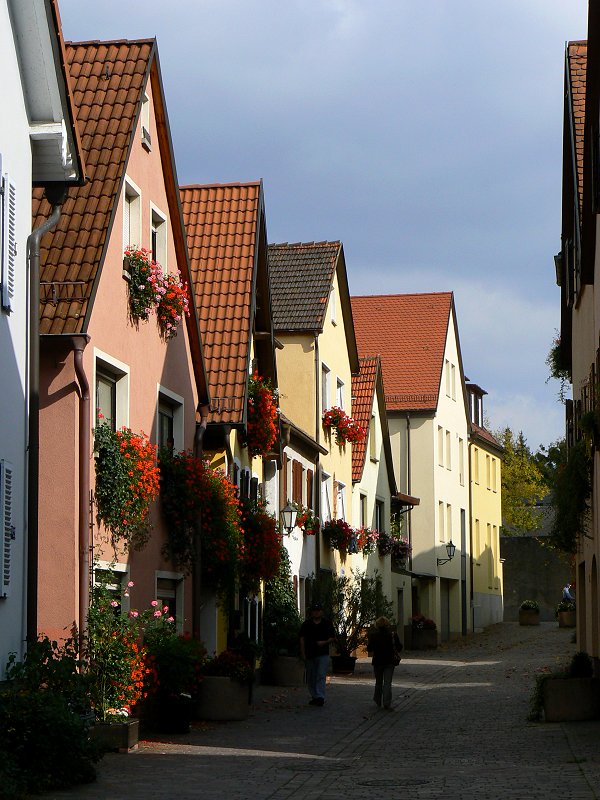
(426, 135)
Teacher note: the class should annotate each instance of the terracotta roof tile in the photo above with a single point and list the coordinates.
(577, 66)
(301, 278)
(363, 394)
(222, 223)
(484, 434)
(409, 332)
(72, 251)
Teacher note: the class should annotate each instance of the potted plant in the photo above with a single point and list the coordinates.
(345, 428)
(529, 613)
(340, 535)
(423, 633)
(263, 416)
(566, 614)
(567, 695)
(353, 603)
(281, 629)
(225, 689)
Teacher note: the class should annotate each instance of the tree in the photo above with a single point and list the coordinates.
(523, 484)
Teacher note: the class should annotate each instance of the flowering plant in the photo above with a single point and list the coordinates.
(367, 540)
(229, 664)
(127, 481)
(421, 622)
(346, 429)
(195, 496)
(262, 543)
(173, 304)
(529, 605)
(341, 536)
(174, 663)
(262, 416)
(306, 520)
(394, 545)
(145, 278)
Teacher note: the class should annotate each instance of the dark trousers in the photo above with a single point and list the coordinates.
(383, 685)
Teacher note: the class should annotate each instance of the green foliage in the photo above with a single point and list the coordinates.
(281, 620)
(44, 741)
(174, 663)
(565, 605)
(580, 666)
(570, 498)
(353, 603)
(230, 664)
(529, 605)
(558, 363)
(523, 484)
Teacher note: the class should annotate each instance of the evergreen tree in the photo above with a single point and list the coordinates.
(523, 484)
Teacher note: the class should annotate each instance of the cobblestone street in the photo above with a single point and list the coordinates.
(458, 729)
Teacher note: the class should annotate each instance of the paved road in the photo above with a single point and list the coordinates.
(458, 729)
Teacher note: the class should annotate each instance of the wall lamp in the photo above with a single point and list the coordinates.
(450, 549)
(288, 518)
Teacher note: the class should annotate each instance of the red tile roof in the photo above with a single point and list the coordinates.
(485, 435)
(577, 66)
(409, 332)
(223, 224)
(363, 395)
(301, 278)
(107, 80)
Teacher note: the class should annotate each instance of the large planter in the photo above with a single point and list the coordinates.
(567, 619)
(223, 699)
(424, 639)
(116, 737)
(288, 671)
(571, 699)
(174, 714)
(343, 665)
(529, 617)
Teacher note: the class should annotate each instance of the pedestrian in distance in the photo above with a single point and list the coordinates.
(385, 648)
(568, 593)
(316, 634)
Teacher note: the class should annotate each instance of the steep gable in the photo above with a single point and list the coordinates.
(363, 395)
(409, 333)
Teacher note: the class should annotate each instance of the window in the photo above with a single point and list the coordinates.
(169, 420)
(380, 515)
(476, 464)
(325, 387)
(440, 446)
(310, 503)
(114, 576)
(158, 236)
(441, 521)
(112, 391)
(372, 439)
(461, 461)
(453, 381)
(477, 539)
(447, 376)
(297, 475)
(8, 528)
(494, 475)
(145, 123)
(169, 592)
(8, 238)
(132, 212)
(363, 510)
(339, 393)
(325, 497)
(341, 501)
(448, 451)
(488, 472)
(332, 306)
(449, 522)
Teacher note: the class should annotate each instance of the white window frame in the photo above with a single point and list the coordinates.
(158, 224)
(8, 527)
(476, 465)
(177, 404)
(448, 450)
(333, 306)
(325, 387)
(440, 436)
(103, 362)
(8, 239)
(449, 522)
(133, 230)
(341, 500)
(340, 393)
(120, 569)
(453, 380)
(373, 439)
(441, 521)
(461, 461)
(326, 506)
(145, 123)
(447, 376)
(179, 593)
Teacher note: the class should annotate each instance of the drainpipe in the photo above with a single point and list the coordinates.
(197, 571)
(471, 559)
(55, 198)
(79, 344)
(317, 488)
(408, 483)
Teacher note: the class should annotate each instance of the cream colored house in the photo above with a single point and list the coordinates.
(417, 338)
(485, 460)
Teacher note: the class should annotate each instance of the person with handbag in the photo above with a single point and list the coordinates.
(385, 648)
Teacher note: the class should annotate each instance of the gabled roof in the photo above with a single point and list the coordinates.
(409, 332)
(363, 395)
(107, 80)
(223, 223)
(576, 77)
(485, 436)
(301, 279)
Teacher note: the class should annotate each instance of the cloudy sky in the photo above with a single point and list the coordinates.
(426, 135)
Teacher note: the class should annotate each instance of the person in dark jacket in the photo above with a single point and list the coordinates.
(384, 646)
(316, 634)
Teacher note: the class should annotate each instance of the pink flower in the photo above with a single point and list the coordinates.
(133, 614)
(154, 603)
(171, 619)
(114, 603)
(130, 584)
(165, 609)
(158, 613)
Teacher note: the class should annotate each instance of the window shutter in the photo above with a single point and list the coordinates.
(9, 241)
(309, 489)
(296, 481)
(8, 529)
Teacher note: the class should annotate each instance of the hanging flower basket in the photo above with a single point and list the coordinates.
(306, 520)
(127, 481)
(262, 425)
(173, 304)
(262, 543)
(345, 428)
(340, 535)
(367, 540)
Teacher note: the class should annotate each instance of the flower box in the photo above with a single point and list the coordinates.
(118, 737)
(571, 699)
(528, 616)
(567, 619)
(423, 639)
(288, 671)
(222, 699)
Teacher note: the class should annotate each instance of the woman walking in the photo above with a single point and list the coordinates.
(384, 646)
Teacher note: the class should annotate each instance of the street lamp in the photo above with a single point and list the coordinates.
(288, 518)
(450, 549)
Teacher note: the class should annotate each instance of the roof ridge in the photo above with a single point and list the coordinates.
(336, 242)
(407, 294)
(88, 42)
(219, 185)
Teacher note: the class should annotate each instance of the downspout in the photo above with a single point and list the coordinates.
(408, 484)
(471, 559)
(79, 344)
(317, 487)
(33, 456)
(197, 571)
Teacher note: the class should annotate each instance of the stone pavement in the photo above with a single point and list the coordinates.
(458, 729)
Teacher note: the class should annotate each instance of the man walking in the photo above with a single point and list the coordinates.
(316, 634)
